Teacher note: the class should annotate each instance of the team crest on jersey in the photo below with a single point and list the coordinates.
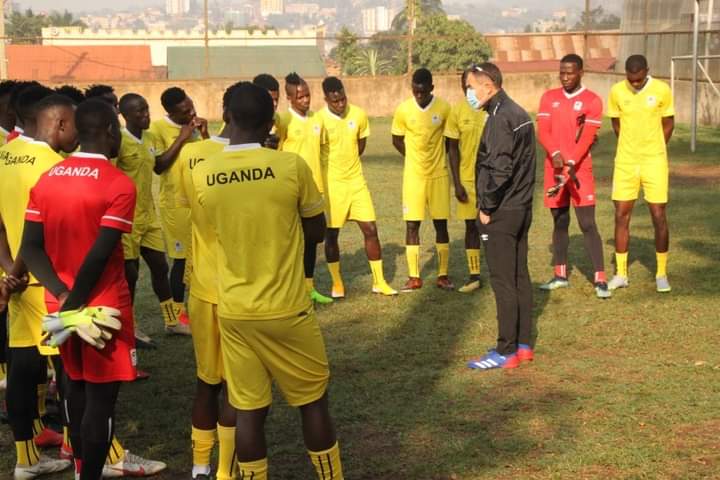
(351, 124)
(578, 106)
(651, 101)
(556, 105)
(435, 119)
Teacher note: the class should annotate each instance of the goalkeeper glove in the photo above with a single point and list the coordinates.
(94, 325)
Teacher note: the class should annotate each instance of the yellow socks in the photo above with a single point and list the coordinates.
(66, 435)
(473, 259)
(621, 264)
(178, 309)
(662, 259)
(338, 288)
(3, 371)
(257, 470)
(202, 445)
(309, 284)
(27, 453)
(443, 251)
(412, 252)
(226, 469)
(168, 312)
(327, 463)
(38, 427)
(116, 452)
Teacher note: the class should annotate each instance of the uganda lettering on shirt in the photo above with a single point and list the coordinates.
(61, 171)
(239, 176)
(8, 158)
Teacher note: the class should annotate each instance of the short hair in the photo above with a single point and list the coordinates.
(128, 98)
(171, 97)
(7, 87)
(294, 79)
(227, 96)
(332, 85)
(491, 71)
(93, 117)
(422, 76)
(94, 91)
(54, 100)
(251, 106)
(573, 58)
(20, 87)
(635, 63)
(26, 105)
(71, 92)
(267, 81)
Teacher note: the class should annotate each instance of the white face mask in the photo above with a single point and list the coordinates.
(473, 100)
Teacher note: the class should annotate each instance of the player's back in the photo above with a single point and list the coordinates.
(254, 197)
(22, 162)
(94, 194)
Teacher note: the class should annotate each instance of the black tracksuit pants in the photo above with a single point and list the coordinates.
(506, 251)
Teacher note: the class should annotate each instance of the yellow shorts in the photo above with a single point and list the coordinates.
(176, 228)
(289, 350)
(348, 201)
(206, 340)
(25, 315)
(421, 192)
(653, 177)
(467, 211)
(147, 235)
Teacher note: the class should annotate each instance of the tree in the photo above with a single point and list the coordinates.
(598, 20)
(459, 45)
(347, 49)
(368, 62)
(422, 8)
(26, 27)
(64, 19)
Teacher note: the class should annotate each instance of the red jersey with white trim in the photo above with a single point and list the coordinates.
(558, 123)
(73, 200)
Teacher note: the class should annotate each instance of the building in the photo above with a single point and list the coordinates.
(271, 7)
(302, 8)
(376, 19)
(177, 7)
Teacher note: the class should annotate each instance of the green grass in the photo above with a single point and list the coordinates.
(626, 388)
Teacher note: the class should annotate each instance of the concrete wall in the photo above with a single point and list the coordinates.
(380, 96)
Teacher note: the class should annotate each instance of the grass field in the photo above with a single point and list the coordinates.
(625, 388)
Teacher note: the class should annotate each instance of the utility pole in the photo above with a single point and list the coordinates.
(3, 58)
(207, 39)
(411, 32)
(586, 49)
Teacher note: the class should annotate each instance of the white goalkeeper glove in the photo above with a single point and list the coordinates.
(94, 325)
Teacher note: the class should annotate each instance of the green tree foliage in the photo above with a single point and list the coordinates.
(448, 45)
(369, 62)
(422, 8)
(598, 20)
(26, 27)
(347, 49)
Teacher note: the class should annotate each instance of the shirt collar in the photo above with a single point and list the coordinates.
(649, 79)
(130, 134)
(242, 147)
(427, 107)
(215, 138)
(297, 115)
(575, 93)
(334, 115)
(494, 103)
(25, 138)
(97, 156)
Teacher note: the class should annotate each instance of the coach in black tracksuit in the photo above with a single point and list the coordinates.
(505, 177)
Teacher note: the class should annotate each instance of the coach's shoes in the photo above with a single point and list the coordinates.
(178, 329)
(444, 283)
(602, 290)
(493, 360)
(662, 285)
(384, 289)
(413, 283)
(471, 286)
(132, 465)
(555, 283)
(44, 466)
(525, 353)
(618, 282)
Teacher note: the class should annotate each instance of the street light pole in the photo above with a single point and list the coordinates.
(411, 32)
(207, 39)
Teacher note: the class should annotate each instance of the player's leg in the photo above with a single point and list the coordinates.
(332, 256)
(373, 250)
(61, 381)
(438, 202)
(321, 440)
(472, 252)
(414, 199)
(250, 443)
(309, 261)
(3, 349)
(132, 273)
(338, 200)
(227, 463)
(623, 214)
(561, 240)
(97, 426)
(157, 264)
(524, 291)
(131, 250)
(176, 230)
(412, 254)
(662, 244)
(593, 245)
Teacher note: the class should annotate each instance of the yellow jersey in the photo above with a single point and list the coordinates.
(22, 162)
(137, 160)
(254, 198)
(641, 113)
(303, 136)
(340, 153)
(466, 125)
(203, 280)
(164, 133)
(423, 130)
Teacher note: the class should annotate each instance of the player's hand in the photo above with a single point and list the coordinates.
(461, 194)
(484, 219)
(272, 141)
(558, 161)
(15, 284)
(202, 126)
(186, 131)
(4, 296)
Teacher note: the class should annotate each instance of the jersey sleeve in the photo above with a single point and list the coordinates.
(613, 110)
(668, 105)
(310, 202)
(398, 124)
(120, 205)
(281, 127)
(363, 126)
(452, 127)
(33, 212)
(544, 124)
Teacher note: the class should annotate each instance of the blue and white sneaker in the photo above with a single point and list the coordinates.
(493, 360)
(555, 283)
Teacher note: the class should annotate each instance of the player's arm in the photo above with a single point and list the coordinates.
(310, 205)
(545, 136)
(614, 112)
(362, 143)
(37, 260)
(6, 260)
(398, 131)
(16, 278)
(453, 148)
(165, 160)
(363, 134)
(398, 142)
(668, 125)
(616, 126)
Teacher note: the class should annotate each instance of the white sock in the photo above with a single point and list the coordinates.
(200, 470)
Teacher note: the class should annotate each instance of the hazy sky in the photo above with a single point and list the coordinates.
(82, 4)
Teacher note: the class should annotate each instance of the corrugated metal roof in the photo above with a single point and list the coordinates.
(79, 64)
(237, 62)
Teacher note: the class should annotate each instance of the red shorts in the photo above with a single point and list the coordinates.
(580, 197)
(114, 363)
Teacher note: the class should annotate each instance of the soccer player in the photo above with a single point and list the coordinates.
(171, 133)
(137, 160)
(417, 133)
(18, 129)
(22, 162)
(7, 115)
(568, 121)
(348, 197)
(208, 421)
(261, 203)
(463, 131)
(643, 118)
(270, 83)
(87, 268)
(505, 178)
(105, 93)
(300, 131)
